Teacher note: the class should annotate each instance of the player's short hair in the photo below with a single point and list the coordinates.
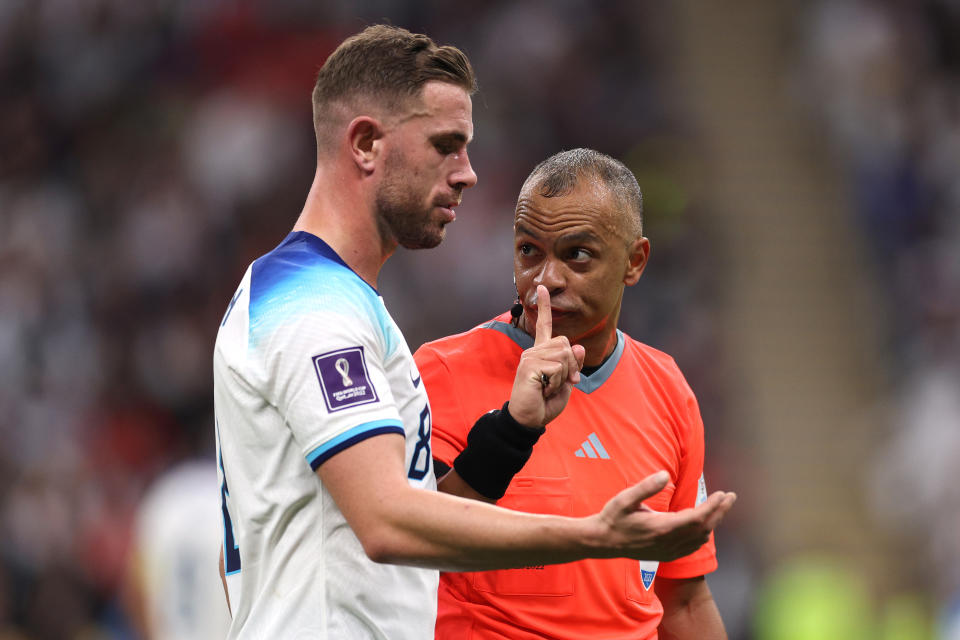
(384, 66)
(559, 174)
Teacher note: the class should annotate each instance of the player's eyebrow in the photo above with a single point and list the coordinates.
(450, 136)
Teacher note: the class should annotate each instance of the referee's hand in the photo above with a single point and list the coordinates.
(546, 373)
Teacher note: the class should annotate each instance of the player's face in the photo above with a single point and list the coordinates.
(575, 246)
(426, 167)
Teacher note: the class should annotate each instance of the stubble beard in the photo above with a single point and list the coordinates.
(401, 213)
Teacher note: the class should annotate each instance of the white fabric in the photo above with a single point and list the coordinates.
(177, 547)
(291, 384)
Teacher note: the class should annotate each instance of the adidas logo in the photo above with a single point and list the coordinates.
(591, 448)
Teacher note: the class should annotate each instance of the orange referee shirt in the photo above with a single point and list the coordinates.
(632, 417)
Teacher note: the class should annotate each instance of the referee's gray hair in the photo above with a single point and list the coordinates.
(559, 174)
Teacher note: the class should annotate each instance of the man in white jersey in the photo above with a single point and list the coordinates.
(172, 592)
(332, 526)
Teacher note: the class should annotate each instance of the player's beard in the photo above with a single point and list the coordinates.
(402, 213)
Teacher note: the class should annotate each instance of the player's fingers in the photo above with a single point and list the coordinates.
(544, 317)
(689, 546)
(682, 537)
(723, 506)
(704, 518)
(649, 486)
(706, 511)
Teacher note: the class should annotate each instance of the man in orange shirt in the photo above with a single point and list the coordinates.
(578, 232)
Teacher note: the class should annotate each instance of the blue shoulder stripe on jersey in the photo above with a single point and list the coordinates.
(587, 384)
(351, 437)
(304, 275)
(322, 248)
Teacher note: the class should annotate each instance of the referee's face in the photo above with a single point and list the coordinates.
(575, 245)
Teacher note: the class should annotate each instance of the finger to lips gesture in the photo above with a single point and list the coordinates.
(547, 371)
(565, 363)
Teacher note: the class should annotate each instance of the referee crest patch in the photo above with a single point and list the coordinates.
(344, 379)
(701, 491)
(648, 571)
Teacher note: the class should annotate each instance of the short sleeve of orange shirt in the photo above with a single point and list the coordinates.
(632, 417)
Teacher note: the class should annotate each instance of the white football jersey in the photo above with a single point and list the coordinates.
(307, 363)
(177, 548)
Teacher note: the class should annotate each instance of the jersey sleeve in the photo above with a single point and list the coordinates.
(329, 380)
(450, 428)
(690, 491)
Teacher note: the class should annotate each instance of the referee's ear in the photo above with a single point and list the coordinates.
(638, 254)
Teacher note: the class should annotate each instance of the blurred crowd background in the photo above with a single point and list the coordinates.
(150, 150)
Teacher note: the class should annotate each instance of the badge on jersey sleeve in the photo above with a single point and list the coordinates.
(344, 379)
(701, 491)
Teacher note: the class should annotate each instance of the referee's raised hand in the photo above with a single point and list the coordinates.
(546, 373)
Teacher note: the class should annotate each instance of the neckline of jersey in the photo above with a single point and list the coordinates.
(587, 384)
(320, 246)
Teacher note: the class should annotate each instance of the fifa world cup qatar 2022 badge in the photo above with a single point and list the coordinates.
(343, 378)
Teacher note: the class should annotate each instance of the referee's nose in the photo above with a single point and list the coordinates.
(550, 275)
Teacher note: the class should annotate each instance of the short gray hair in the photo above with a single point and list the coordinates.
(559, 174)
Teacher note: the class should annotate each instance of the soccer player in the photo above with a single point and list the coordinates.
(172, 591)
(577, 232)
(332, 526)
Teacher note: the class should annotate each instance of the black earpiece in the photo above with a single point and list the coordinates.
(516, 311)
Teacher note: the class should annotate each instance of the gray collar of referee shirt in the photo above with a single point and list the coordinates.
(587, 384)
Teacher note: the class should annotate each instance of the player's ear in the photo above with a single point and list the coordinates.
(363, 135)
(637, 256)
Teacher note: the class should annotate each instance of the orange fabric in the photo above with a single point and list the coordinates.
(646, 419)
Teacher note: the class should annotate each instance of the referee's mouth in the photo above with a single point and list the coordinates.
(556, 313)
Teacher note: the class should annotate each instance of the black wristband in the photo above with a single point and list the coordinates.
(497, 448)
(440, 468)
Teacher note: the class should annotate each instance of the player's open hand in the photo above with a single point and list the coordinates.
(547, 371)
(630, 529)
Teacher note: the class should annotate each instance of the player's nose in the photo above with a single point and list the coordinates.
(463, 176)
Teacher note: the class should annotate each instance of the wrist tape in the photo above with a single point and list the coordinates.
(497, 448)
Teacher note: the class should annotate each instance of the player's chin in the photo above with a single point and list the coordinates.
(429, 239)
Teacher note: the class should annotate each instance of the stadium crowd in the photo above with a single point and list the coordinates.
(884, 78)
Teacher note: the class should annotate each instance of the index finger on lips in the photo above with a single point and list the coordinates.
(544, 318)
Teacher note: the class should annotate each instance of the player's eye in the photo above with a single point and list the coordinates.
(445, 147)
(525, 249)
(579, 254)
